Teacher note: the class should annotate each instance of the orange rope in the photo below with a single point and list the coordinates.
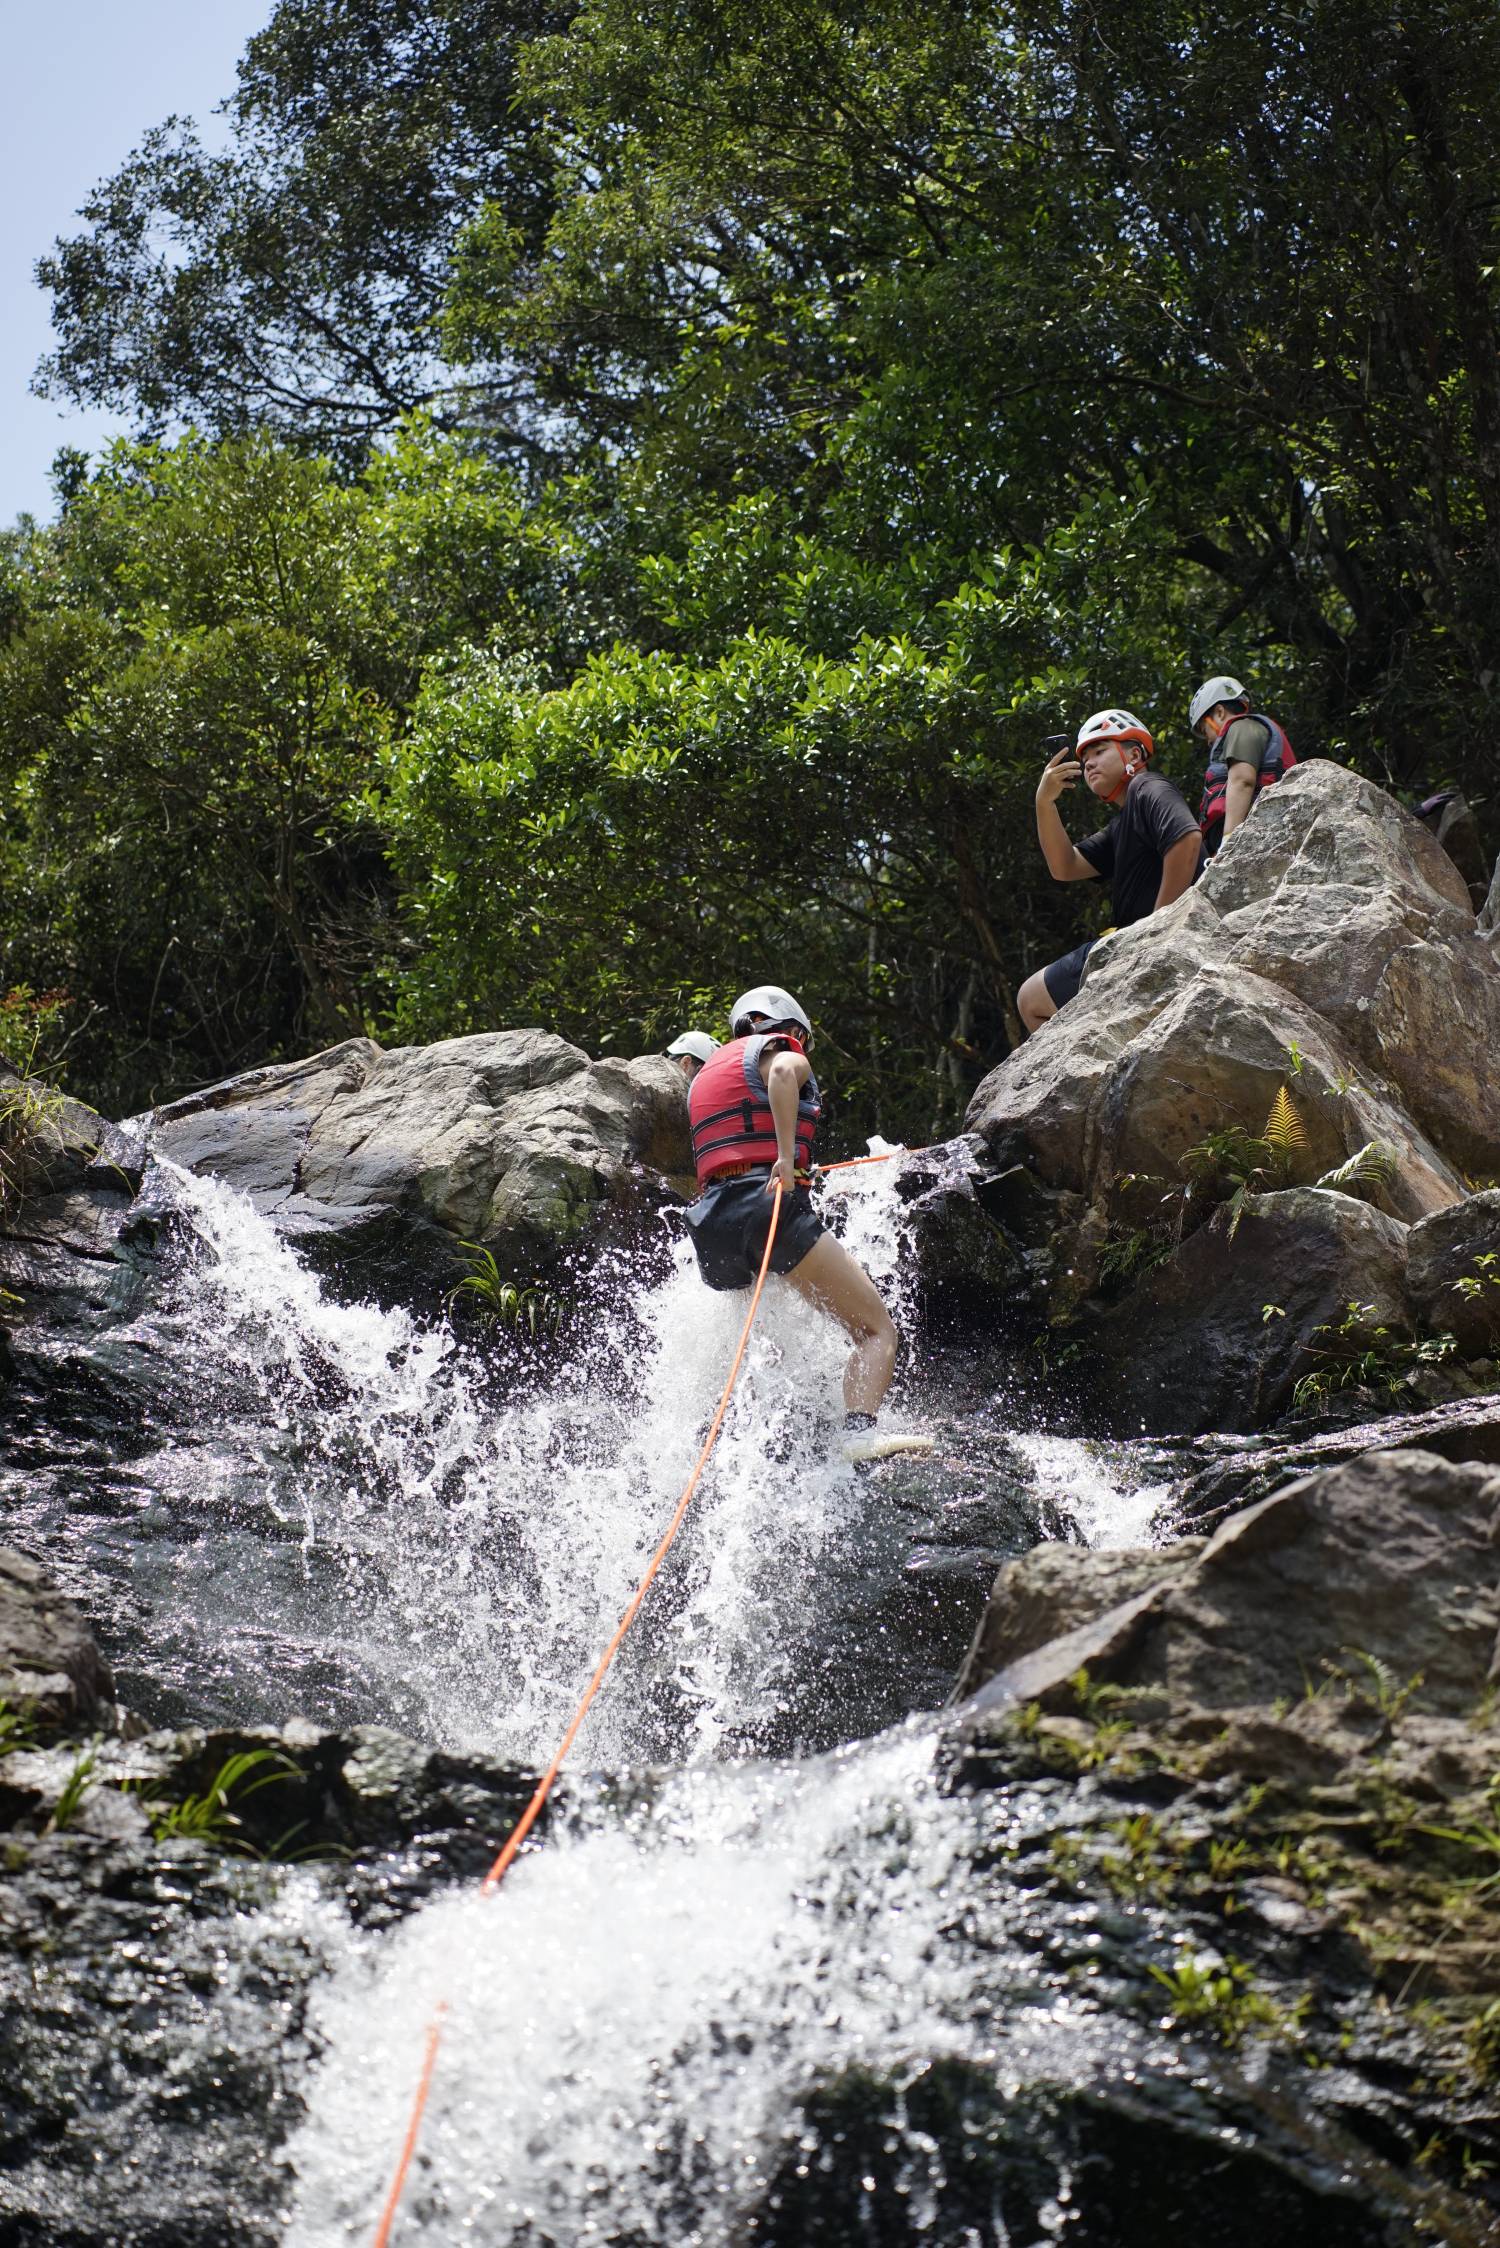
(544, 1785)
(853, 1162)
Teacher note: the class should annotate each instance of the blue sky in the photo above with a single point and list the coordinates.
(84, 80)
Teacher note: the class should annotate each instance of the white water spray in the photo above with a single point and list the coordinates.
(469, 1557)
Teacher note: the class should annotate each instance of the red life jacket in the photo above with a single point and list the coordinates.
(730, 1110)
(1276, 758)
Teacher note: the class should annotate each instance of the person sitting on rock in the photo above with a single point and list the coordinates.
(754, 1109)
(1249, 752)
(1150, 852)
(692, 1050)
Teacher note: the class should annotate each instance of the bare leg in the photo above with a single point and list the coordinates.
(829, 1278)
(1034, 1002)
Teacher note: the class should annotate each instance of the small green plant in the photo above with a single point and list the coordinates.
(1362, 1352)
(1485, 1275)
(29, 1023)
(1375, 1682)
(17, 1728)
(1482, 2037)
(483, 1289)
(1484, 1841)
(214, 1815)
(1127, 1255)
(1142, 1863)
(1216, 1994)
(1233, 1165)
(76, 1786)
(1225, 1857)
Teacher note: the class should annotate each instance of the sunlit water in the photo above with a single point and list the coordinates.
(634, 2021)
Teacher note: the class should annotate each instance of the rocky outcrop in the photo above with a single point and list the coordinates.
(511, 1138)
(1330, 955)
(1391, 1555)
(51, 1673)
(379, 1162)
(1272, 1752)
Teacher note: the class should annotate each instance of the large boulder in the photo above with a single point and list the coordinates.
(510, 1138)
(1330, 952)
(1380, 1572)
(1453, 1272)
(1218, 1335)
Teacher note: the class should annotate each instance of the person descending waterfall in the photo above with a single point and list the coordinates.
(1149, 854)
(1248, 752)
(754, 1109)
(692, 1050)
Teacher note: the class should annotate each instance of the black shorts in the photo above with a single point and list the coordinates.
(728, 1228)
(1064, 976)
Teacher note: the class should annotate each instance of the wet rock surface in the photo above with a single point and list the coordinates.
(49, 1664)
(1289, 1734)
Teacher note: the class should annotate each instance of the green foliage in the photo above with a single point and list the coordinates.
(1483, 2039)
(1374, 1682)
(1476, 1284)
(1373, 1164)
(30, 1129)
(65, 1810)
(17, 1728)
(1362, 1352)
(1218, 1995)
(786, 419)
(533, 1310)
(214, 1815)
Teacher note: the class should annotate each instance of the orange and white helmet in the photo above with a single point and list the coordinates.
(1112, 726)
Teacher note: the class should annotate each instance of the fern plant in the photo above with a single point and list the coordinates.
(1370, 1165)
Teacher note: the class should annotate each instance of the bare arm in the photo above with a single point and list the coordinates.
(1178, 867)
(785, 1079)
(1064, 862)
(1239, 795)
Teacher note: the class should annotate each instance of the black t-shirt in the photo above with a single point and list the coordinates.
(1128, 853)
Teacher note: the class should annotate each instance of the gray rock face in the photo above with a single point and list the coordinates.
(1330, 949)
(511, 1138)
(1392, 1556)
(51, 1672)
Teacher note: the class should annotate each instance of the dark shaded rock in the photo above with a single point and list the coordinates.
(50, 1668)
(1133, 2161)
(1449, 1286)
(1251, 1472)
(1192, 1347)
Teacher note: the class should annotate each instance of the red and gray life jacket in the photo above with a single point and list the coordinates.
(1276, 758)
(730, 1111)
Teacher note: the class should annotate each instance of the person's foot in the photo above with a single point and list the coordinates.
(864, 1442)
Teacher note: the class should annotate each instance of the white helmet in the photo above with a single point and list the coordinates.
(774, 1005)
(1220, 690)
(1113, 726)
(697, 1043)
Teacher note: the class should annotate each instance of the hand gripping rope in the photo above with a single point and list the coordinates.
(543, 1788)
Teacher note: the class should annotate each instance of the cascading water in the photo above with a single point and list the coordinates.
(356, 1515)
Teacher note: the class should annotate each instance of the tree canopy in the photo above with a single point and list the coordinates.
(708, 447)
